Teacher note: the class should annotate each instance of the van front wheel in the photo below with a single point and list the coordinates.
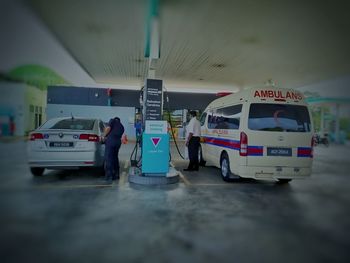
(200, 157)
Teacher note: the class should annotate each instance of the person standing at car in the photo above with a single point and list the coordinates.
(193, 133)
(113, 135)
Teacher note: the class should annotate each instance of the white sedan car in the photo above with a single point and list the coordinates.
(66, 143)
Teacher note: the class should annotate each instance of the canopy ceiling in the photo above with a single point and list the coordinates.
(205, 43)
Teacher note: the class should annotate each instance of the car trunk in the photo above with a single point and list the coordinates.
(53, 140)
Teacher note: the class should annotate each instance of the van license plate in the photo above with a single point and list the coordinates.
(279, 151)
(61, 144)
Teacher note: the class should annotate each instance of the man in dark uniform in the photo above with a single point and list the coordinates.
(113, 134)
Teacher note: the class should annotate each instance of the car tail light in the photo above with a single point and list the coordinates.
(243, 144)
(36, 136)
(89, 137)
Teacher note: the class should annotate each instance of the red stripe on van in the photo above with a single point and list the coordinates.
(304, 152)
(234, 145)
(222, 142)
(231, 144)
(255, 150)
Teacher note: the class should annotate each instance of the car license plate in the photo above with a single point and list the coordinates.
(279, 151)
(61, 144)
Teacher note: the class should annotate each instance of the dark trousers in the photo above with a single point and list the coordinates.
(112, 160)
(193, 148)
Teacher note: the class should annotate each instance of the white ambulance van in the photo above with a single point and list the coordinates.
(260, 133)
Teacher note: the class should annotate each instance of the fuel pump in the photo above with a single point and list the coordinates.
(155, 167)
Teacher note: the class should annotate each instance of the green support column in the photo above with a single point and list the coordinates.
(152, 45)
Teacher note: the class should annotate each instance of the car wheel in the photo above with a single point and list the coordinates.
(101, 171)
(200, 157)
(37, 171)
(284, 181)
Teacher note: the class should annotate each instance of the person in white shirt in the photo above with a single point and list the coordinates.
(193, 133)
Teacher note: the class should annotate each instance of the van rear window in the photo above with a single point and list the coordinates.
(279, 117)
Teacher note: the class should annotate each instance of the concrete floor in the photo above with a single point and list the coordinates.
(69, 217)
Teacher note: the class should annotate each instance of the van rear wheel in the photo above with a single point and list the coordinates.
(225, 168)
(226, 174)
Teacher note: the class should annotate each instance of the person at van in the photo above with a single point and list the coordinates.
(193, 133)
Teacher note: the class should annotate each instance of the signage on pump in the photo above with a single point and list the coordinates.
(156, 127)
(278, 94)
(155, 141)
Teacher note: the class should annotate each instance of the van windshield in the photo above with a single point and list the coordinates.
(279, 117)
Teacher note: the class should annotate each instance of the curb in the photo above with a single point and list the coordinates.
(153, 180)
(136, 177)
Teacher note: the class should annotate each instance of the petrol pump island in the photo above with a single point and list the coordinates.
(153, 166)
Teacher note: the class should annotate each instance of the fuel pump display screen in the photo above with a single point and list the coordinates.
(153, 103)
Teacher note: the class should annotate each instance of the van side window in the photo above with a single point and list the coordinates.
(202, 119)
(225, 118)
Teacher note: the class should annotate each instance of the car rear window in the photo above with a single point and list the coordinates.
(279, 117)
(69, 124)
